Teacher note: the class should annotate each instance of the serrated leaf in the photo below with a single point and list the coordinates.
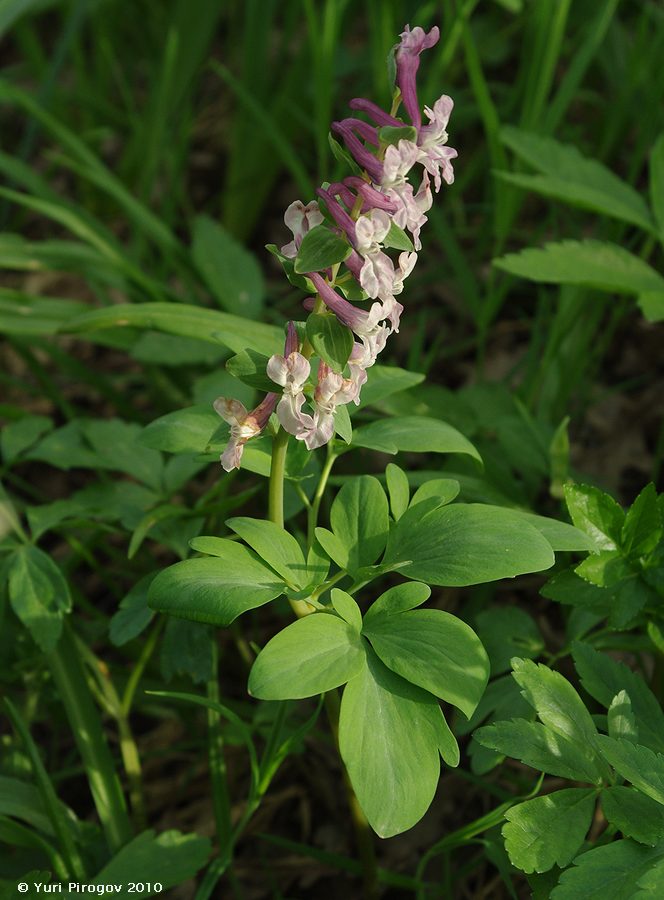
(315, 654)
(320, 249)
(634, 814)
(465, 544)
(569, 176)
(539, 747)
(331, 340)
(38, 594)
(642, 528)
(134, 615)
(215, 590)
(434, 650)
(548, 830)
(603, 677)
(595, 513)
(389, 736)
(638, 764)
(620, 718)
(593, 264)
(611, 872)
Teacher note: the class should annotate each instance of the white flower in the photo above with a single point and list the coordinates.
(300, 219)
(398, 161)
(244, 426)
(291, 373)
(434, 156)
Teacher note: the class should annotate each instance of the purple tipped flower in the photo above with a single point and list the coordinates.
(362, 156)
(408, 62)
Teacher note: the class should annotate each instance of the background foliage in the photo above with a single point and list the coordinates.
(147, 157)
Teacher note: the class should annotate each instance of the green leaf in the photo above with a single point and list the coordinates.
(39, 595)
(160, 349)
(347, 608)
(24, 314)
(315, 654)
(557, 704)
(611, 872)
(560, 535)
(416, 434)
(439, 490)
(603, 678)
(229, 270)
(434, 650)
(168, 859)
(397, 239)
(320, 249)
(275, 546)
(389, 736)
(539, 747)
(250, 368)
(642, 529)
(188, 430)
(386, 381)
(604, 569)
(359, 520)
(183, 319)
(134, 614)
(506, 632)
(638, 764)
(657, 183)
(651, 304)
(549, 830)
(392, 134)
(215, 590)
(397, 600)
(620, 718)
(19, 436)
(593, 264)
(186, 649)
(398, 490)
(288, 265)
(465, 544)
(574, 179)
(596, 513)
(634, 814)
(342, 155)
(331, 340)
(342, 424)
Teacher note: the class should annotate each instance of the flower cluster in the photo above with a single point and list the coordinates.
(367, 210)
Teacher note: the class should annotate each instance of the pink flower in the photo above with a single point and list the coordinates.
(244, 425)
(300, 219)
(408, 62)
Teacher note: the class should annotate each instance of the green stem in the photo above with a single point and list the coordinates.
(220, 798)
(318, 496)
(139, 668)
(363, 834)
(69, 677)
(54, 809)
(277, 472)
